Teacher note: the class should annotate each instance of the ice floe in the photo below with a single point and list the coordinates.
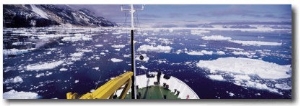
(76, 38)
(202, 52)
(39, 75)
(165, 41)
(241, 77)
(84, 50)
(76, 56)
(283, 86)
(199, 32)
(244, 43)
(256, 43)
(159, 48)
(216, 77)
(126, 55)
(96, 68)
(147, 40)
(116, 60)
(44, 66)
(232, 48)
(12, 94)
(246, 66)
(118, 46)
(216, 37)
(99, 45)
(17, 79)
(143, 67)
(63, 69)
(220, 53)
(241, 53)
(15, 51)
(246, 72)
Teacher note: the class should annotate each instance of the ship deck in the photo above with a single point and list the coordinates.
(154, 92)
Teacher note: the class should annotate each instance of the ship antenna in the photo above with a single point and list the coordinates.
(133, 68)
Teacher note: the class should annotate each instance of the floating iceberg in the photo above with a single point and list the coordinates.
(12, 94)
(115, 60)
(159, 48)
(44, 66)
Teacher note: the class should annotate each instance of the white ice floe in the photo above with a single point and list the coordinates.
(246, 66)
(232, 48)
(216, 77)
(283, 86)
(261, 86)
(143, 67)
(12, 94)
(116, 60)
(84, 50)
(63, 69)
(165, 41)
(99, 45)
(256, 43)
(231, 94)
(126, 55)
(17, 79)
(240, 53)
(20, 43)
(44, 66)
(39, 75)
(159, 48)
(199, 32)
(241, 77)
(202, 52)
(96, 68)
(216, 37)
(102, 53)
(220, 53)
(178, 51)
(118, 46)
(15, 51)
(77, 38)
(76, 56)
(147, 40)
(162, 61)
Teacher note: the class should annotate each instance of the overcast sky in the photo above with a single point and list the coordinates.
(194, 14)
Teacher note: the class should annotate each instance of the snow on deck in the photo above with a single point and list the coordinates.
(174, 83)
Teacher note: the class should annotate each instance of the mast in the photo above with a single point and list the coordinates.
(133, 68)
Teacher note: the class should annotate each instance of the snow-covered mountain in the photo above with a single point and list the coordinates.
(48, 15)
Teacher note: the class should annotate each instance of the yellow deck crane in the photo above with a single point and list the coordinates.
(107, 90)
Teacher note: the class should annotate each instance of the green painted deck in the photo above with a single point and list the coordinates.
(154, 92)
